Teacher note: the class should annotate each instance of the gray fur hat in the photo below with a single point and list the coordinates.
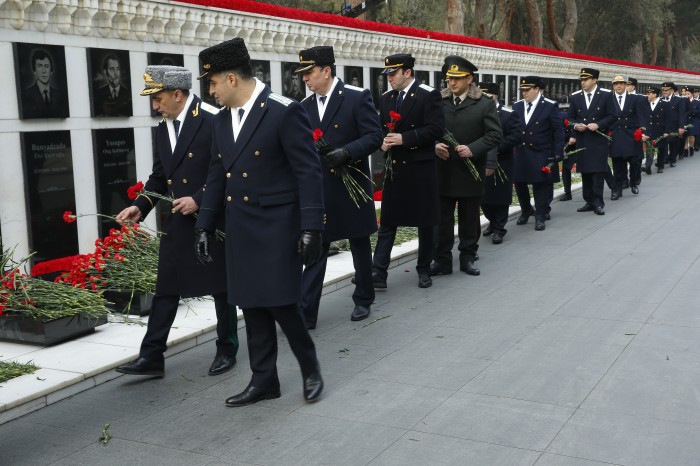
(161, 77)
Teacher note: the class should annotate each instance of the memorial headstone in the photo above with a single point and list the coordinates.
(292, 84)
(42, 89)
(110, 83)
(354, 76)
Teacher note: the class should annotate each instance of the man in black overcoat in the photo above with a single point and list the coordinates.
(180, 167)
(498, 189)
(265, 169)
(678, 115)
(472, 119)
(346, 116)
(660, 124)
(410, 193)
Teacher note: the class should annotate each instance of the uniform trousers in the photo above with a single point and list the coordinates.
(163, 312)
(497, 215)
(469, 229)
(543, 194)
(262, 342)
(670, 152)
(312, 280)
(592, 189)
(385, 242)
(620, 170)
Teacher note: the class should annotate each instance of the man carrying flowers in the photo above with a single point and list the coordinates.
(180, 166)
(347, 123)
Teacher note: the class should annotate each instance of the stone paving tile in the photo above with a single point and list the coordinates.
(621, 439)
(668, 337)
(680, 307)
(498, 420)
(682, 367)
(31, 444)
(596, 303)
(420, 449)
(559, 460)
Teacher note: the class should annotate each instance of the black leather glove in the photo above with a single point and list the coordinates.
(201, 245)
(310, 247)
(323, 150)
(337, 157)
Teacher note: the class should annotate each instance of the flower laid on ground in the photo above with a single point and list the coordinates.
(21, 295)
(52, 266)
(451, 141)
(10, 369)
(388, 161)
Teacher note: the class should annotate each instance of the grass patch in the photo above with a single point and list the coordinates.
(10, 370)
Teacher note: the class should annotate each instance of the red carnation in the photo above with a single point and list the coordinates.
(377, 196)
(546, 169)
(653, 143)
(638, 135)
(566, 122)
(318, 134)
(133, 191)
(68, 216)
(391, 126)
(610, 133)
(394, 115)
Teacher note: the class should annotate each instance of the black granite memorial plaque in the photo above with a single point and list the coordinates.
(292, 84)
(48, 173)
(353, 76)
(261, 70)
(110, 82)
(115, 171)
(42, 89)
(423, 76)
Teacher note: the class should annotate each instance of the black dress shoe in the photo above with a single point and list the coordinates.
(221, 364)
(424, 280)
(469, 268)
(522, 220)
(488, 231)
(377, 281)
(634, 189)
(313, 386)
(539, 225)
(142, 366)
(625, 184)
(673, 164)
(476, 256)
(252, 395)
(566, 197)
(359, 313)
(647, 170)
(497, 238)
(586, 208)
(617, 194)
(310, 325)
(439, 269)
(599, 211)
(547, 216)
(659, 170)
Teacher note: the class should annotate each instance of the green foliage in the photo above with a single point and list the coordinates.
(10, 370)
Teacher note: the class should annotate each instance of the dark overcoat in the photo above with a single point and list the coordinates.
(678, 114)
(271, 184)
(499, 186)
(475, 124)
(594, 159)
(693, 117)
(349, 121)
(630, 118)
(181, 174)
(410, 194)
(659, 121)
(542, 139)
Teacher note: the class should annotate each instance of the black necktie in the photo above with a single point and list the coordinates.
(176, 125)
(323, 99)
(529, 107)
(46, 97)
(589, 97)
(457, 101)
(114, 93)
(240, 115)
(399, 101)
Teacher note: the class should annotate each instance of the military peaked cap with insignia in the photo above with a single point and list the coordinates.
(619, 79)
(321, 56)
(458, 67)
(400, 60)
(668, 85)
(632, 81)
(654, 89)
(685, 88)
(162, 77)
(224, 56)
(529, 82)
(490, 88)
(588, 73)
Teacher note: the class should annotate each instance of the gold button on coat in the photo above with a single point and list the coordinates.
(228, 175)
(257, 153)
(170, 181)
(245, 198)
(190, 155)
(245, 175)
(228, 198)
(184, 181)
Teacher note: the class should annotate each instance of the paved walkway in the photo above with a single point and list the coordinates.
(579, 345)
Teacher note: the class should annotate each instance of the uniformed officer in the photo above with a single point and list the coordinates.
(592, 111)
(693, 108)
(265, 168)
(346, 116)
(180, 164)
(678, 114)
(473, 120)
(625, 148)
(632, 90)
(540, 149)
(410, 192)
(498, 193)
(659, 125)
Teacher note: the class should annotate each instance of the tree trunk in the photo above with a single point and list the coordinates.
(565, 43)
(668, 50)
(479, 17)
(455, 17)
(504, 16)
(652, 48)
(637, 52)
(535, 20)
(679, 36)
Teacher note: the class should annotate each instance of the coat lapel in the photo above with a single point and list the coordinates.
(333, 105)
(311, 107)
(189, 130)
(251, 123)
(163, 146)
(538, 110)
(409, 100)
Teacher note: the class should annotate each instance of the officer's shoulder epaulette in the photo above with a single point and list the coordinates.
(577, 92)
(550, 101)
(517, 101)
(507, 109)
(208, 108)
(390, 90)
(353, 88)
(280, 98)
(425, 87)
(605, 90)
